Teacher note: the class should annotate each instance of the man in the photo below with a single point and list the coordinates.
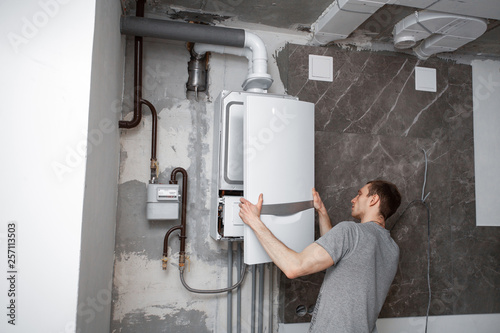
(361, 258)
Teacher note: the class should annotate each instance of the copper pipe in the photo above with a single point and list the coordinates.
(137, 75)
(165, 246)
(137, 87)
(154, 136)
(165, 240)
(184, 203)
(138, 101)
(154, 121)
(182, 226)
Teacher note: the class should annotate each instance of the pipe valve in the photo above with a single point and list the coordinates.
(164, 263)
(182, 261)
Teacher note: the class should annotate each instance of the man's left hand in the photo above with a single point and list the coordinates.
(250, 213)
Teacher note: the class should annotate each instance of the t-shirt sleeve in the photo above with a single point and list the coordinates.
(339, 241)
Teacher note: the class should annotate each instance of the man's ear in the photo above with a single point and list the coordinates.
(374, 199)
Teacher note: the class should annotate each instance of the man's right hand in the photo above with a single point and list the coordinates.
(324, 220)
(318, 203)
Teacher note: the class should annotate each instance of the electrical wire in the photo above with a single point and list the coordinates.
(214, 291)
(425, 176)
(423, 202)
(428, 240)
(428, 263)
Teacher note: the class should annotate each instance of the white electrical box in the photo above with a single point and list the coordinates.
(163, 202)
(232, 224)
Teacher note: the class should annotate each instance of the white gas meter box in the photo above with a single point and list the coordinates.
(163, 202)
(264, 143)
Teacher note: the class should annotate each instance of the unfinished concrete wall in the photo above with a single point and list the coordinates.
(146, 298)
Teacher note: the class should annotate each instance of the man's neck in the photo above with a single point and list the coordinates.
(377, 219)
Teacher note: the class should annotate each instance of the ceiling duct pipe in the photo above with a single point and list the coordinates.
(439, 32)
(196, 33)
(234, 40)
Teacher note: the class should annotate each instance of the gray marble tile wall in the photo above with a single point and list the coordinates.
(372, 123)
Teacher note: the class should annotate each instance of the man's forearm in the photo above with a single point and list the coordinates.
(324, 221)
(285, 258)
(312, 259)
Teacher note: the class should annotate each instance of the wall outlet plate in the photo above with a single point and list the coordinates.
(425, 79)
(320, 68)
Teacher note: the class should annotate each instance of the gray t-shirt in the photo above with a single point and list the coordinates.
(354, 289)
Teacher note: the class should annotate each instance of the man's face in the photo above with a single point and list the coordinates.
(360, 203)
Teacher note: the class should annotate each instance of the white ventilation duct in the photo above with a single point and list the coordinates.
(200, 49)
(440, 32)
(258, 79)
(342, 17)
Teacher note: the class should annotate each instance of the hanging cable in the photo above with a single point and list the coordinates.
(182, 237)
(428, 263)
(213, 291)
(422, 201)
(423, 198)
(271, 303)
(425, 177)
(239, 263)
(252, 315)
(428, 240)
(229, 311)
(260, 319)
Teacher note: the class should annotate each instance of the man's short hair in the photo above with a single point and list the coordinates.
(389, 195)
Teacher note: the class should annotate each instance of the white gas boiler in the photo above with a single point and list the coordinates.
(263, 143)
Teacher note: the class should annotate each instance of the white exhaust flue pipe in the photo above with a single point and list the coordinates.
(258, 79)
(200, 49)
(231, 40)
